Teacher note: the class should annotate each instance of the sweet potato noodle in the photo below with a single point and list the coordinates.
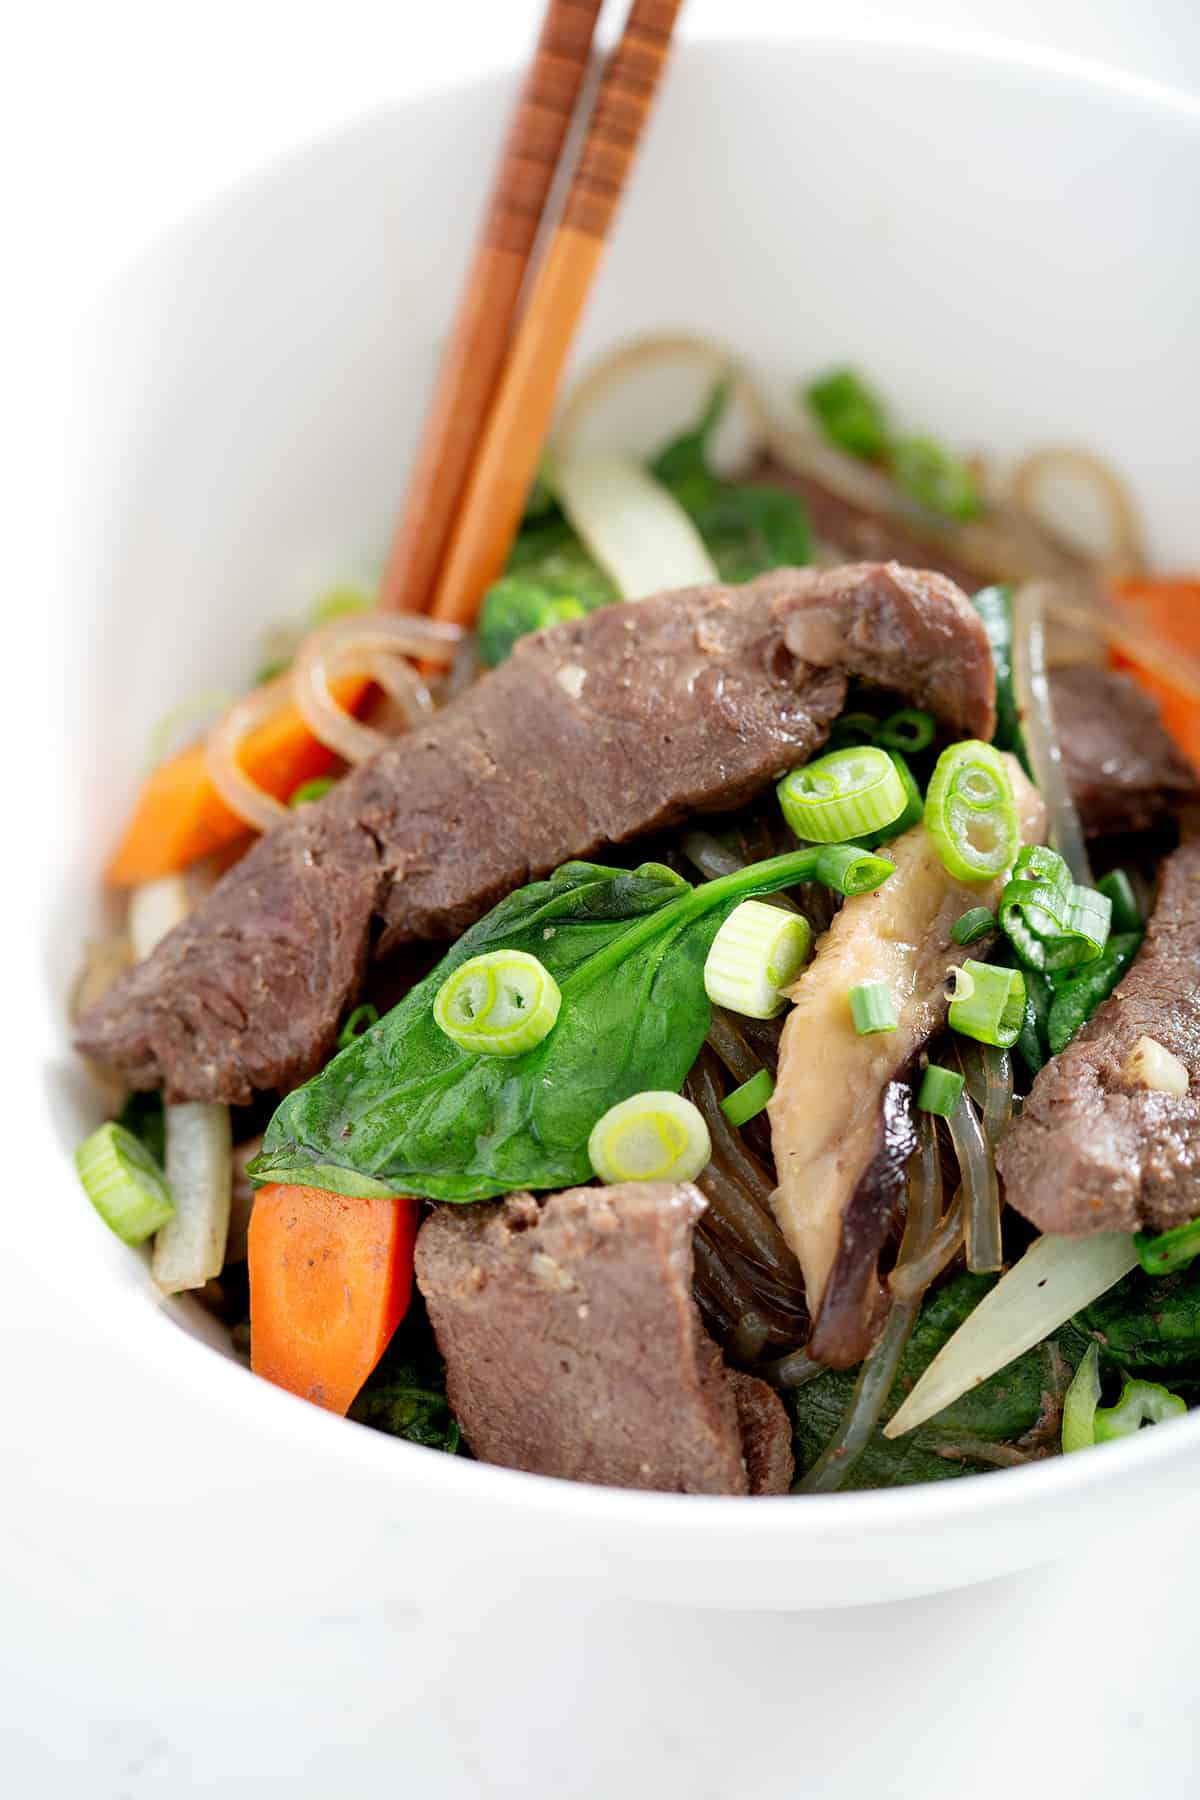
(371, 645)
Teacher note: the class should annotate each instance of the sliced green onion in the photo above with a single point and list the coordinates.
(1118, 891)
(975, 923)
(850, 870)
(1080, 1403)
(308, 791)
(849, 414)
(656, 1136)
(842, 795)
(124, 1183)
(940, 1091)
(914, 807)
(989, 1005)
(499, 1004)
(1052, 922)
(935, 478)
(757, 952)
(970, 812)
(1161, 1253)
(360, 1021)
(871, 1007)
(909, 730)
(853, 728)
(747, 1101)
(1141, 1403)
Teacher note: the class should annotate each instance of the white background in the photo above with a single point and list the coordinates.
(1079, 1679)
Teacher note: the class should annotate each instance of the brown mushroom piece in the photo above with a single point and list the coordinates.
(837, 1128)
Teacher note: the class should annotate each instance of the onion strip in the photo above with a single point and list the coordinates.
(1052, 1281)
(633, 525)
(190, 1248)
(1125, 546)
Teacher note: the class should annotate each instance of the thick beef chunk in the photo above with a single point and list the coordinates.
(573, 1346)
(592, 733)
(1124, 771)
(1090, 1151)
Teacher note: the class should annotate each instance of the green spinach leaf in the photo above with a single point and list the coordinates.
(143, 1114)
(998, 1410)
(1149, 1326)
(405, 1395)
(404, 1110)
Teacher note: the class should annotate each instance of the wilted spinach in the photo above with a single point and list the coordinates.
(1149, 1326)
(998, 1410)
(143, 1114)
(403, 1110)
(406, 1394)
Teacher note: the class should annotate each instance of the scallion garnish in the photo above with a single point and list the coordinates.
(1141, 1403)
(871, 1007)
(914, 807)
(1080, 1402)
(499, 1004)
(909, 730)
(1161, 1253)
(756, 953)
(124, 1183)
(308, 791)
(360, 1020)
(1118, 891)
(1053, 923)
(940, 1091)
(747, 1101)
(650, 1137)
(970, 812)
(988, 1003)
(850, 870)
(843, 795)
(975, 923)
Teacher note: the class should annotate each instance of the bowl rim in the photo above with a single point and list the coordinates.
(300, 1428)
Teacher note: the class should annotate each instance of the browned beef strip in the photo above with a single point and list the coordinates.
(1125, 772)
(573, 1346)
(1091, 1153)
(592, 733)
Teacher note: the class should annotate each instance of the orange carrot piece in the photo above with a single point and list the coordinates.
(180, 816)
(1169, 606)
(330, 1280)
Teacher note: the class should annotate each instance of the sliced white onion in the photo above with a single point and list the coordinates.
(260, 810)
(1049, 472)
(156, 907)
(1053, 1280)
(1035, 709)
(633, 526)
(190, 1248)
(368, 644)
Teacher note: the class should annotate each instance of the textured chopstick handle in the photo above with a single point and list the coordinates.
(622, 107)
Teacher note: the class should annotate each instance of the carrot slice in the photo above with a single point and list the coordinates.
(1169, 606)
(180, 816)
(330, 1280)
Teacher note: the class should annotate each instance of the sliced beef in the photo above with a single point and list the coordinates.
(835, 1192)
(592, 733)
(1125, 773)
(573, 1346)
(1090, 1152)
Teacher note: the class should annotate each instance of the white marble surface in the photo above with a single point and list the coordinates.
(1076, 1680)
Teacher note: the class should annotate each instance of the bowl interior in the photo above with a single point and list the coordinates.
(1003, 246)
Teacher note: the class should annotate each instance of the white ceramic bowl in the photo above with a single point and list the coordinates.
(1006, 245)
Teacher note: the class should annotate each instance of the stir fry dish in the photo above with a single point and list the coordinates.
(728, 1021)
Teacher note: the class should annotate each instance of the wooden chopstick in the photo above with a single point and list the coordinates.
(503, 469)
(471, 366)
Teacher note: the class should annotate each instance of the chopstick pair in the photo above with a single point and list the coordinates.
(499, 378)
